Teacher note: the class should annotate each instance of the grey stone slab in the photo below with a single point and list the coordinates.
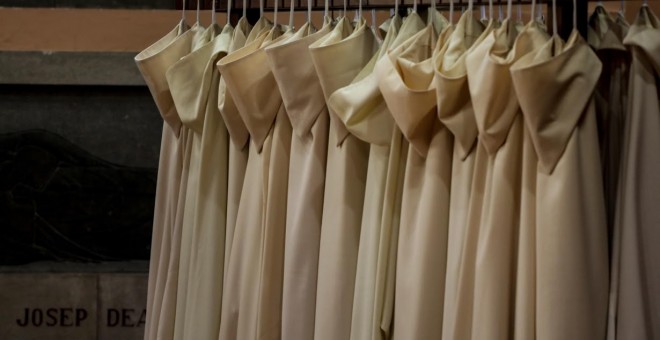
(120, 124)
(48, 306)
(69, 68)
(122, 306)
(126, 267)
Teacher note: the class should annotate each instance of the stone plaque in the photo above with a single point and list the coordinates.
(122, 302)
(48, 306)
(45, 306)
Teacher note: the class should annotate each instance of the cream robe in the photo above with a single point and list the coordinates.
(501, 130)
(153, 63)
(362, 109)
(193, 81)
(338, 57)
(606, 37)
(252, 300)
(238, 140)
(554, 88)
(455, 111)
(406, 82)
(192, 163)
(635, 286)
(303, 99)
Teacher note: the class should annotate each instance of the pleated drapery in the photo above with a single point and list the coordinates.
(471, 180)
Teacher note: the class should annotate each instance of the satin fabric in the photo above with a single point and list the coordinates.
(406, 82)
(501, 128)
(571, 232)
(193, 81)
(635, 286)
(238, 138)
(192, 183)
(153, 63)
(456, 112)
(169, 169)
(606, 37)
(337, 58)
(361, 108)
(252, 299)
(305, 106)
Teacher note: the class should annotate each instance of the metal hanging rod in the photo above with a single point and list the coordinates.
(301, 5)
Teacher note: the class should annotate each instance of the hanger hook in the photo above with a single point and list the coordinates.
(198, 11)
(554, 17)
(228, 12)
(183, 11)
(451, 12)
(213, 12)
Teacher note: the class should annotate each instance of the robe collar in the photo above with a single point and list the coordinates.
(555, 86)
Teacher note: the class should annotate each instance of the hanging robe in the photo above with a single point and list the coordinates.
(635, 285)
(606, 38)
(456, 112)
(238, 141)
(501, 129)
(252, 299)
(153, 63)
(362, 109)
(405, 78)
(192, 184)
(554, 87)
(337, 58)
(305, 106)
(193, 81)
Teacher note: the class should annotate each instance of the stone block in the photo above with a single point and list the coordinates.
(122, 301)
(48, 306)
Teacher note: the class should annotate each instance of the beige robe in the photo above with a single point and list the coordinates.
(193, 81)
(338, 57)
(554, 87)
(153, 63)
(456, 112)
(362, 109)
(406, 82)
(238, 141)
(606, 38)
(635, 285)
(252, 299)
(501, 128)
(303, 99)
(191, 162)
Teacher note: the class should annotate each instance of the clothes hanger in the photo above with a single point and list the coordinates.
(228, 12)
(197, 20)
(274, 12)
(554, 17)
(519, 18)
(213, 22)
(327, 5)
(451, 12)
(183, 11)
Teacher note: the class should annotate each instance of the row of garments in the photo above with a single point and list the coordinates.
(421, 180)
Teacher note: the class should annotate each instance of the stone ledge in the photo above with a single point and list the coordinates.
(69, 68)
(47, 306)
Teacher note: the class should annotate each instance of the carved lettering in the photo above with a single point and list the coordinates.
(53, 317)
